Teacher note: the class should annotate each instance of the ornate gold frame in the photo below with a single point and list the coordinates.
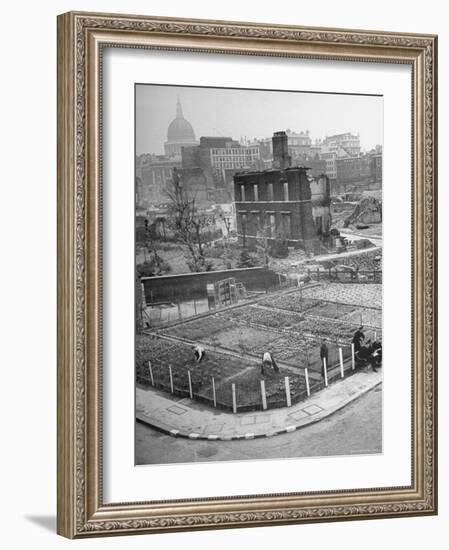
(81, 37)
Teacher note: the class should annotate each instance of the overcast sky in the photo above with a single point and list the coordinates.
(254, 114)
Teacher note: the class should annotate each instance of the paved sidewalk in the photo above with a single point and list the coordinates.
(185, 418)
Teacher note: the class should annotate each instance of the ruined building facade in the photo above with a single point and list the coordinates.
(282, 203)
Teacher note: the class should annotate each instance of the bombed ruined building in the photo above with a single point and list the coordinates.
(282, 203)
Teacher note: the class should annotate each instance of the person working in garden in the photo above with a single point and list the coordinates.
(358, 338)
(268, 361)
(324, 354)
(376, 355)
(198, 352)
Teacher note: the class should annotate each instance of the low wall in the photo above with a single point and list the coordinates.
(193, 285)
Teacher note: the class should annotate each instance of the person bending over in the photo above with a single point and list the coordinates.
(268, 361)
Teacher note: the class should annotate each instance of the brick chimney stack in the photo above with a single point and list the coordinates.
(281, 158)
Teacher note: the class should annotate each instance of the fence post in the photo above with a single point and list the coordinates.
(264, 395)
(342, 370)
(234, 400)
(306, 374)
(353, 356)
(194, 306)
(317, 273)
(171, 378)
(375, 335)
(213, 392)
(150, 368)
(190, 384)
(287, 391)
(325, 371)
(179, 311)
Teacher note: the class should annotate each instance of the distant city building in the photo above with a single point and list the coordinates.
(349, 170)
(360, 172)
(347, 141)
(376, 167)
(298, 144)
(208, 168)
(234, 157)
(282, 203)
(179, 134)
(265, 148)
(330, 156)
(199, 184)
(153, 174)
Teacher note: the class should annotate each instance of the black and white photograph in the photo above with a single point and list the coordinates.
(258, 242)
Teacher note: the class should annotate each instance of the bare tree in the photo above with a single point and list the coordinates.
(186, 222)
(151, 237)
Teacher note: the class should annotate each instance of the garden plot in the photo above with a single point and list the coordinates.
(367, 317)
(270, 318)
(164, 353)
(333, 310)
(329, 329)
(303, 351)
(365, 295)
(352, 314)
(243, 339)
(196, 330)
(225, 370)
(291, 301)
(228, 333)
(290, 325)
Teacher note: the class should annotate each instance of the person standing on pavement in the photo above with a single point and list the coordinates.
(324, 354)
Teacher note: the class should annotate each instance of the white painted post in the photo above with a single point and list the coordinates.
(306, 374)
(353, 356)
(190, 384)
(213, 391)
(287, 391)
(342, 370)
(234, 400)
(171, 378)
(264, 395)
(325, 371)
(150, 368)
(375, 335)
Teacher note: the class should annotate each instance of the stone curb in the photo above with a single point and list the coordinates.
(250, 435)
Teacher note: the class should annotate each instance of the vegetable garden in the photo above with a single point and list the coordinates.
(290, 325)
